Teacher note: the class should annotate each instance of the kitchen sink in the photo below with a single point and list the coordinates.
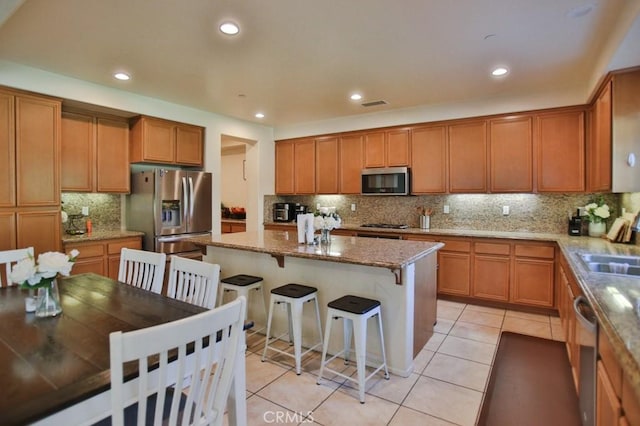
(612, 264)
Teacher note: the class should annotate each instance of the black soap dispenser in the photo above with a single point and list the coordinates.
(575, 225)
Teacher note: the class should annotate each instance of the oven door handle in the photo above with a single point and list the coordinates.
(588, 324)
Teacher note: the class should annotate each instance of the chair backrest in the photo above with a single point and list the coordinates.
(216, 337)
(9, 257)
(143, 269)
(193, 281)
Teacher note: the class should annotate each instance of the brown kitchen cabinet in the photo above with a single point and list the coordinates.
(351, 149)
(387, 149)
(533, 274)
(95, 153)
(30, 168)
(101, 256)
(599, 145)
(454, 267)
(560, 149)
(467, 146)
(511, 154)
(296, 166)
(491, 270)
(429, 160)
(228, 227)
(327, 165)
(154, 140)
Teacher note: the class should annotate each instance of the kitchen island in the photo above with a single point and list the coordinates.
(400, 274)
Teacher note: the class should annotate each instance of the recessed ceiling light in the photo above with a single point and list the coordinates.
(122, 76)
(356, 97)
(580, 11)
(259, 115)
(229, 28)
(500, 71)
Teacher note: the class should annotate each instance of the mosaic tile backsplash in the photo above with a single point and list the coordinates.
(548, 213)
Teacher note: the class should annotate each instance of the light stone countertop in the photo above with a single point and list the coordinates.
(613, 297)
(383, 253)
(98, 235)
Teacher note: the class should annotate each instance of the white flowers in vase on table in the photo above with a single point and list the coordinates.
(326, 218)
(32, 275)
(597, 211)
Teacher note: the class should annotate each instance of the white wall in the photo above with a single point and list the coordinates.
(234, 179)
(260, 156)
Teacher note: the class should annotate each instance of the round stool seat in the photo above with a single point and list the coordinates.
(241, 280)
(294, 291)
(354, 304)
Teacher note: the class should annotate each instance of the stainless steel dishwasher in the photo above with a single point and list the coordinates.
(586, 335)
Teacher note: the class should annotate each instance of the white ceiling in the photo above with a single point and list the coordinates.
(299, 60)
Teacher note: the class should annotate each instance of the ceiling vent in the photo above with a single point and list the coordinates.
(374, 103)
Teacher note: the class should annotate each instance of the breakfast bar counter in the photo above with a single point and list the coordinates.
(400, 274)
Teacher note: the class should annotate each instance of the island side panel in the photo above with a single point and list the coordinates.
(425, 301)
(333, 280)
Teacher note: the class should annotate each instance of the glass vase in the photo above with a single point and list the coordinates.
(325, 236)
(596, 229)
(48, 301)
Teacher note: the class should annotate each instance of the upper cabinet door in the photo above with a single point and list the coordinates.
(511, 154)
(351, 160)
(374, 150)
(152, 140)
(284, 167)
(77, 152)
(468, 157)
(305, 166)
(112, 156)
(327, 166)
(189, 145)
(398, 149)
(599, 148)
(560, 151)
(7, 151)
(37, 151)
(429, 160)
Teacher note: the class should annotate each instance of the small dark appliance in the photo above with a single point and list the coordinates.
(284, 212)
(575, 225)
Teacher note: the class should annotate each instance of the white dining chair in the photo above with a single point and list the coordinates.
(142, 269)
(8, 258)
(206, 352)
(193, 281)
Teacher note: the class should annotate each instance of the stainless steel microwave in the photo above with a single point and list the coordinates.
(386, 181)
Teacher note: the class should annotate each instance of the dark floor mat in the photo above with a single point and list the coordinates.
(530, 384)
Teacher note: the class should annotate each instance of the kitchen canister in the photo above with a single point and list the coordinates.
(425, 221)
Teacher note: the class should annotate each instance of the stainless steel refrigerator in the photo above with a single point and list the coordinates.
(169, 206)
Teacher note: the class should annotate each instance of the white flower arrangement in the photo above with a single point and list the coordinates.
(327, 221)
(597, 211)
(31, 275)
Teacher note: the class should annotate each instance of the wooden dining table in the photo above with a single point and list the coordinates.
(52, 369)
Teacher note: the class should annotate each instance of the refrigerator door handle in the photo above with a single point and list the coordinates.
(185, 200)
(191, 200)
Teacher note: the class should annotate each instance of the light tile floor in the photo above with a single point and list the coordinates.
(447, 386)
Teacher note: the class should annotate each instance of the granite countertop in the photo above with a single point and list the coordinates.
(391, 254)
(98, 235)
(613, 297)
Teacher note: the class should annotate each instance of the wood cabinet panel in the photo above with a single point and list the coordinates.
(398, 148)
(8, 231)
(491, 276)
(285, 167)
(231, 227)
(7, 151)
(112, 156)
(95, 265)
(608, 408)
(39, 229)
(468, 157)
(610, 364)
(429, 160)
(351, 163)
(327, 165)
(454, 273)
(101, 257)
(511, 154)
(533, 282)
(533, 250)
(189, 145)
(374, 150)
(305, 166)
(599, 145)
(560, 152)
(37, 151)
(77, 152)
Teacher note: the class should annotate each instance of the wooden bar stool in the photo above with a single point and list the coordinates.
(355, 312)
(295, 296)
(243, 284)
